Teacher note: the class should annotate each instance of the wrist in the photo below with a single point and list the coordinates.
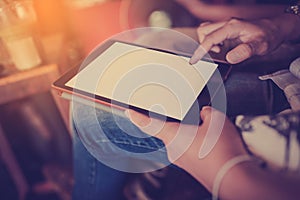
(239, 170)
(248, 180)
(234, 170)
(289, 26)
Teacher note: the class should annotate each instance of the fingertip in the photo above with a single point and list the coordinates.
(216, 49)
(198, 55)
(204, 24)
(138, 119)
(132, 116)
(230, 59)
(205, 111)
(193, 60)
(127, 114)
(206, 107)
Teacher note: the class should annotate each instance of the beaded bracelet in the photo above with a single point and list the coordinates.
(224, 169)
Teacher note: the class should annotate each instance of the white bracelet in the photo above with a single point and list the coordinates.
(224, 169)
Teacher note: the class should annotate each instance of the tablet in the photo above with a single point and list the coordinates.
(124, 75)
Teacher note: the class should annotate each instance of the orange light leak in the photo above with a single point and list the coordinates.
(51, 15)
(97, 23)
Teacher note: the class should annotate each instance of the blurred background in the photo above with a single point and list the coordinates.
(40, 40)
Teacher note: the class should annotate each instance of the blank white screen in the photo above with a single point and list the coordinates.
(152, 80)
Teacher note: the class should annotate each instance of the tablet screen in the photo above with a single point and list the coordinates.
(152, 80)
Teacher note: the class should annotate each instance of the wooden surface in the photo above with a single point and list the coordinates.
(34, 81)
(26, 83)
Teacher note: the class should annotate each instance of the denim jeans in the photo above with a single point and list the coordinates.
(101, 136)
(94, 180)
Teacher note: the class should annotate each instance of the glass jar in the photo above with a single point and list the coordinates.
(18, 35)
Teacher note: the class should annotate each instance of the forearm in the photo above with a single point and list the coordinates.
(248, 181)
(289, 26)
(249, 12)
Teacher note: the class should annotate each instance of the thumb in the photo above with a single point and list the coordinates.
(140, 120)
(240, 53)
(206, 112)
(151, 126)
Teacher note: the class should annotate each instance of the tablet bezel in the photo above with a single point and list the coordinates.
(60, 84)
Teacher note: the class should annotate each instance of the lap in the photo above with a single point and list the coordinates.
(106, 134)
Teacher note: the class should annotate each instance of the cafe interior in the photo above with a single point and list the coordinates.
(36, 160)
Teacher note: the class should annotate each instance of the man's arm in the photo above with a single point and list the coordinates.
(245, 180)
(259, 37)
(219, 12)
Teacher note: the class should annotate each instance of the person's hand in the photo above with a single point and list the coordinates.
(216, 133)
(249, 38)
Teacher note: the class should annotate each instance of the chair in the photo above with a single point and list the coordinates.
(21, 85)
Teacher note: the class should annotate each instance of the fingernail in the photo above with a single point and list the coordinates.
(193, 60)
(216, 49)
(233, 58)
(198, 55)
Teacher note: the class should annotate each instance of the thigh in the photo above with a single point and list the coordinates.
(92, 179)
(248, 95)
(111, 138)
